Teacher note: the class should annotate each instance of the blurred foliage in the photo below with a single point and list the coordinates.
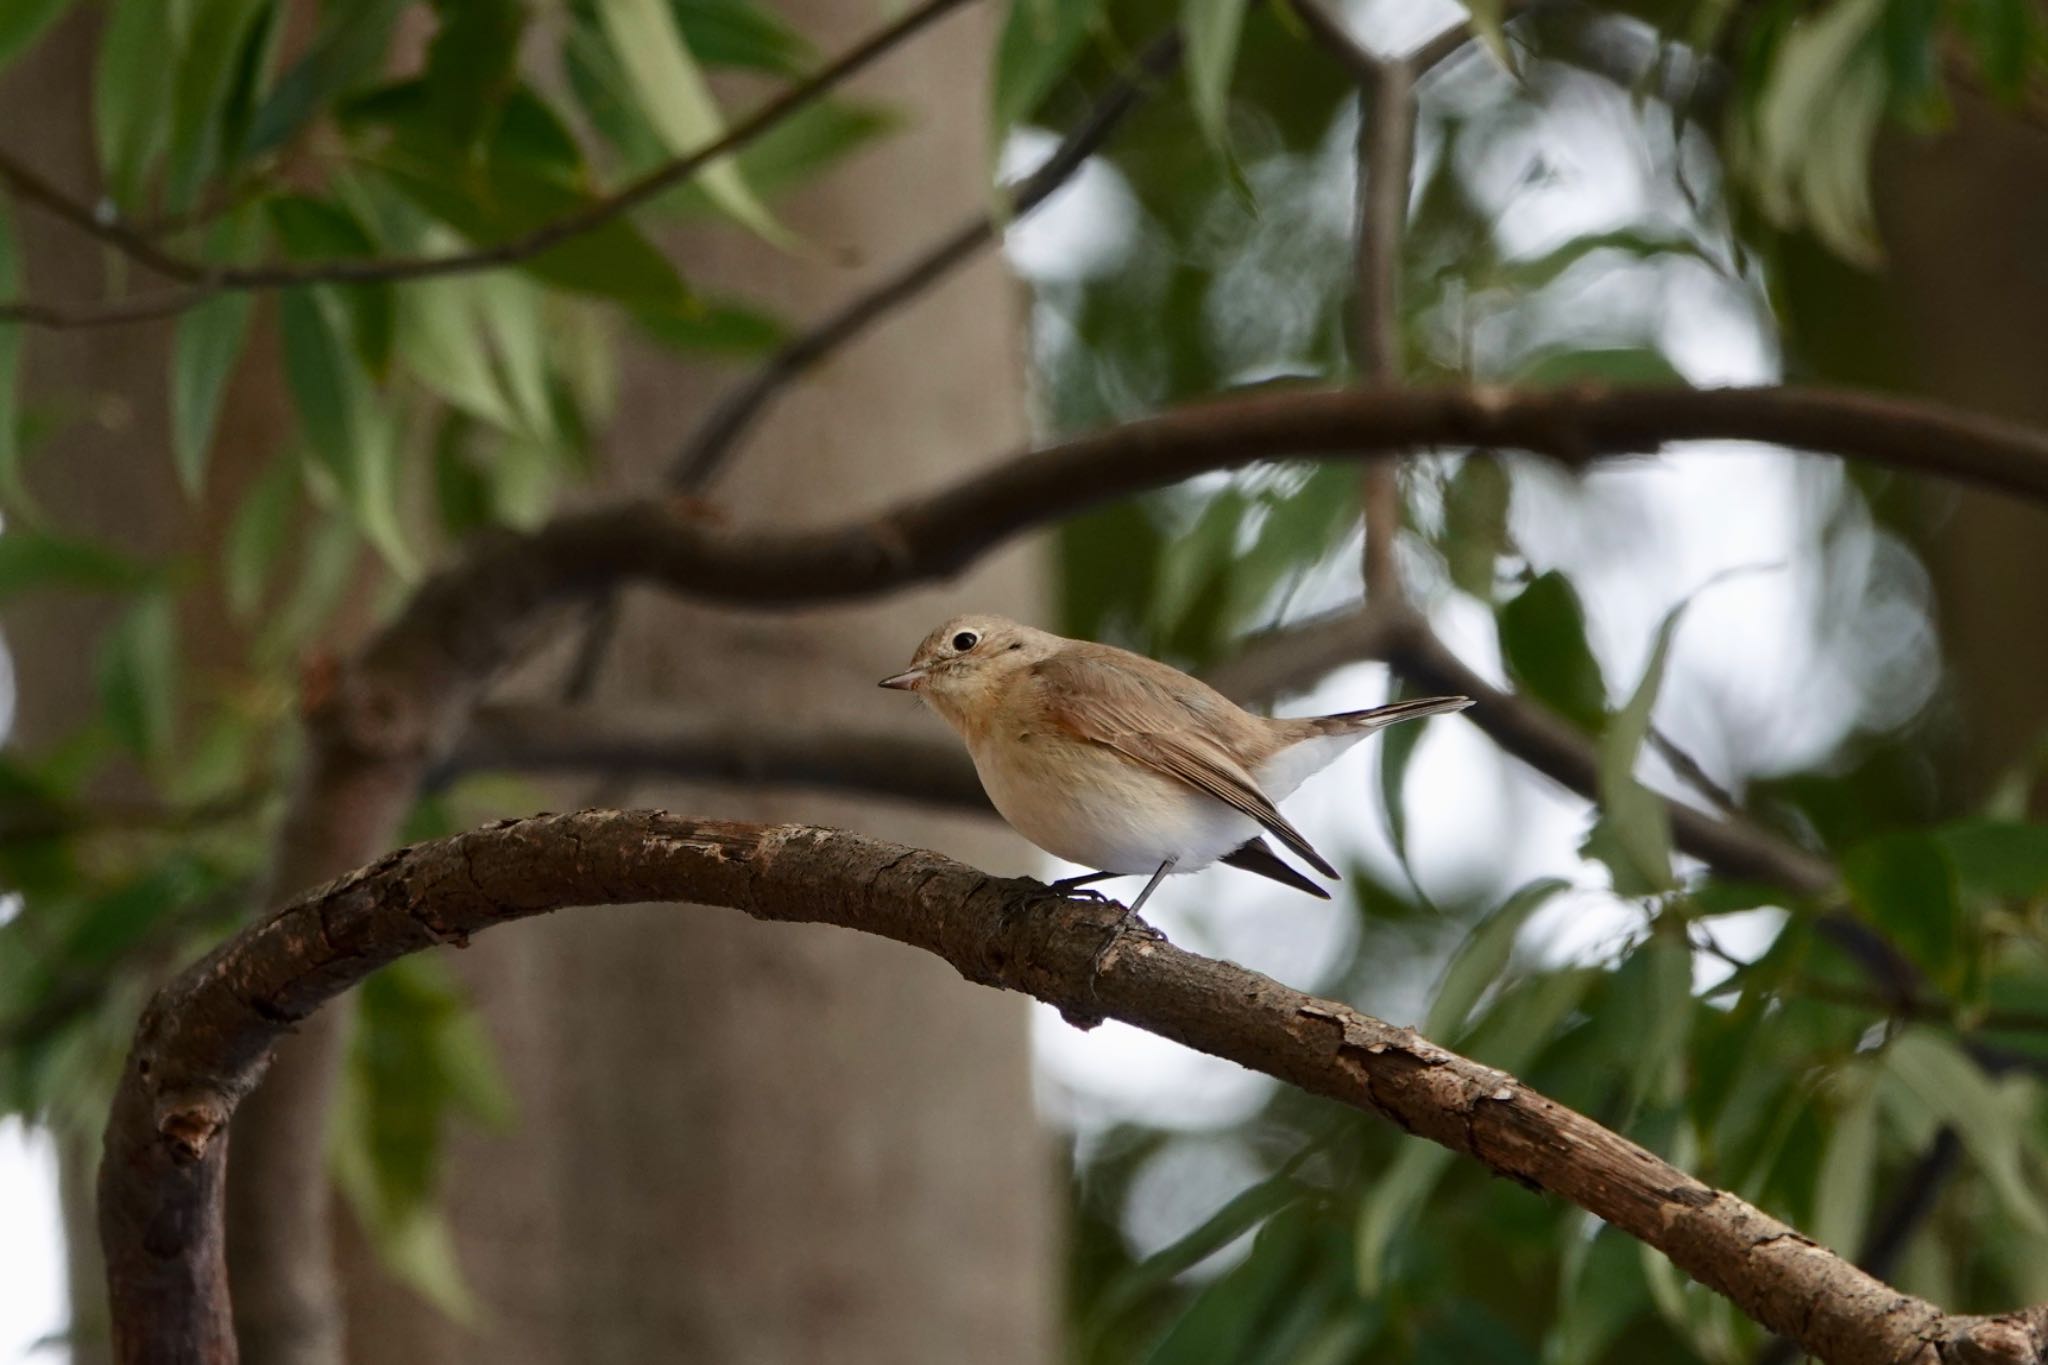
(434, 409)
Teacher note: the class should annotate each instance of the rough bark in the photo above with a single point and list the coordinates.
(205, 1039)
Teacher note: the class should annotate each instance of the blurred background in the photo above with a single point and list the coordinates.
(648, 1134)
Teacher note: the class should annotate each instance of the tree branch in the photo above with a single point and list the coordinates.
(204, 1040)
(205, 280)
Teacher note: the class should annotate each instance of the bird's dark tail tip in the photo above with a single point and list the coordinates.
(1393, 713)
(1255, 856)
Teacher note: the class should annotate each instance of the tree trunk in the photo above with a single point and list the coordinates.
(1964, 221)
(693, 1176)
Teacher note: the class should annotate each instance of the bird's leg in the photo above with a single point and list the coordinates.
(1150, 887)
(1067, 886)
(1123, 921)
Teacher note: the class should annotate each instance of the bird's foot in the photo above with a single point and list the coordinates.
(1078, 889)
(1116, 931)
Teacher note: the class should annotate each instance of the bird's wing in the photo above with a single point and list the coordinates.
(1144, 715)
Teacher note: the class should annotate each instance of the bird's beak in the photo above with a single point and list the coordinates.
(905, 681)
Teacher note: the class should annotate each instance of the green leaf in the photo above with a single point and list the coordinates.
(1245, 1210)
(505, 200)
(809, 141)
(348, 437)
(1992, 1119)
(312, 229)
(216, 40)
(1633, 834)
(347, 52)
(1997, 858)
(1212, 28)
(418, 1059)
(1483, 957)
(1476, 523)
(1907, 886)
(741, 34)
(23, 21)
(1841, 1198)
(138, 59)
(327, 570)
(1652, 991)
(461, 490)
(1543, 642)
(1817, 118)
(725, 329)
(1230, 1316)
(673, 92)
(1606, 365)
(440, 344)
(138, 676)
(208, 343)
(1038, 43)
(258, 535)
(472, 66)
(30, 559)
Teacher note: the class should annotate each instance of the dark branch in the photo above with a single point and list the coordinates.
(205, 280)
(205, 1039)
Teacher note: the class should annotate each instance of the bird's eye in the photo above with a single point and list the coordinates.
(965, 641)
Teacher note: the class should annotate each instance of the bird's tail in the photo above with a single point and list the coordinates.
(1380, 717)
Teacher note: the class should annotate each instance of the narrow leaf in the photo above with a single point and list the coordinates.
(23, 21)
(258, 535)
(1543, 642)
(1213, 28)
(1633, 835)
(1483, 957)
(138, 674)
(672, 89)
(1993, 1123)
(207, 344)
(1907, 885)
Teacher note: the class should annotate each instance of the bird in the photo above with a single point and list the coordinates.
(1120, 763)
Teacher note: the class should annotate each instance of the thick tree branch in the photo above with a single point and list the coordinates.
(204, 1040)
(204, 279)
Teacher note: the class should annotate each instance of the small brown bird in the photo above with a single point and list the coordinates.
(1120, 763)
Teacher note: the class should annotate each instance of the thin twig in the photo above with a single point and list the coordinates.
(703, 456)
(205, 279)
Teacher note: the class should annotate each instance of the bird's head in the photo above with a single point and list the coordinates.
(963, 664)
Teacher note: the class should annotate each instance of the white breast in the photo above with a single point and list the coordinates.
(1089, 806)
